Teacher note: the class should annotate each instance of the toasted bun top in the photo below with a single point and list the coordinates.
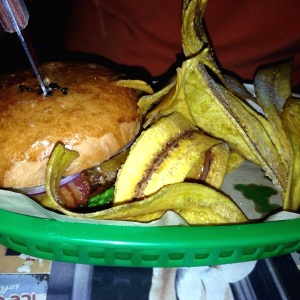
(88, 112)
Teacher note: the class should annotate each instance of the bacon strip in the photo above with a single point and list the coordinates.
(76, 192)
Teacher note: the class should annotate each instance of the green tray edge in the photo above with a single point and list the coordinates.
(135, 246)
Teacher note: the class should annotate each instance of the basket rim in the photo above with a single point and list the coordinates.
(248, 234)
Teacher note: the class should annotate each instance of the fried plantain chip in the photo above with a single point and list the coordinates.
(163, 154)
(196, 203)
(272, 88)
(291, 124)
(138, 85)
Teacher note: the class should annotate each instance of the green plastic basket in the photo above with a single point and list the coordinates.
(135, 246)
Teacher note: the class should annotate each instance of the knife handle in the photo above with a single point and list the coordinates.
(12, 13)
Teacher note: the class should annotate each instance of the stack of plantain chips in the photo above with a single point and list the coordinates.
(198, 128)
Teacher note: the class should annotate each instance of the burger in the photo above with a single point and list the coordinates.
(85, 110)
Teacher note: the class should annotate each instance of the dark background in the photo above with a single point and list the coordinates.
(46, 31)
(46, 25)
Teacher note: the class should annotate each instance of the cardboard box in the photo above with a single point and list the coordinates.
(23, 277)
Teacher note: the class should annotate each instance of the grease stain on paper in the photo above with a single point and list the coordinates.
(260, 195)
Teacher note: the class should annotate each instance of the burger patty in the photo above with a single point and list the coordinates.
(89, 183)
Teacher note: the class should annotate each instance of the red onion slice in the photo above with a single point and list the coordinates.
(42, 188)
